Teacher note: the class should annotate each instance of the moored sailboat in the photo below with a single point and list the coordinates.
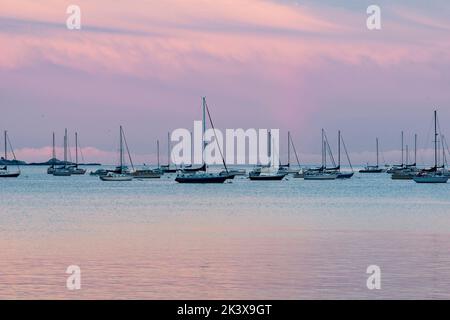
(268, 172)
(4, 171)
(148, 173)
(51, 169)
(167, 168)
(341, 174)
(405, 171)
(321, 173)
(121, 172)
(201, 176)
(432, 175)
(373, 168)
(75, 169)
(63, 170)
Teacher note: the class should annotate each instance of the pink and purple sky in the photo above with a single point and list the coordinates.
(293, 65)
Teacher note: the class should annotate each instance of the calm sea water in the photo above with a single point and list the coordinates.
(157, 239)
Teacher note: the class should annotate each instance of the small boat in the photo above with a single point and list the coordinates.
(199, 175)
(4, 172)
(373, 169)
(121, 172)
(433, 175)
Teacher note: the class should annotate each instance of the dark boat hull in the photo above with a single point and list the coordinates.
(191, 170)
(215, 179)
(345, 175)
(10, 175)
(371, 171)
(267, 178)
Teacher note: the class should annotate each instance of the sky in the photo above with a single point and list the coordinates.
(293, 65)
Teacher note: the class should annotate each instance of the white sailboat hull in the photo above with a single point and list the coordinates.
(116, 177)
(9, 174)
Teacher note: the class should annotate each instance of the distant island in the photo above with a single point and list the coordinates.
(50, 162)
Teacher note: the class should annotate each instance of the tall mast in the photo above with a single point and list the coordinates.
(168, 150)
(121, 149)
(6, 146)
(402, 149)
(377, 154)
(289, 149)
(435, 139)
(269, 146)
(76, 149)
(157, 150)
(407, 155)
(415, 149)
(54, 152)
(323, 159)
(203, 126)
(65, 147)
(339, 148)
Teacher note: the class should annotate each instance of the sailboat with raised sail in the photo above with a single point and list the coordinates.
(63, 170)
(4, 171)
(121, 172)
(200, 176)
(432, 175)
(371, 168)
